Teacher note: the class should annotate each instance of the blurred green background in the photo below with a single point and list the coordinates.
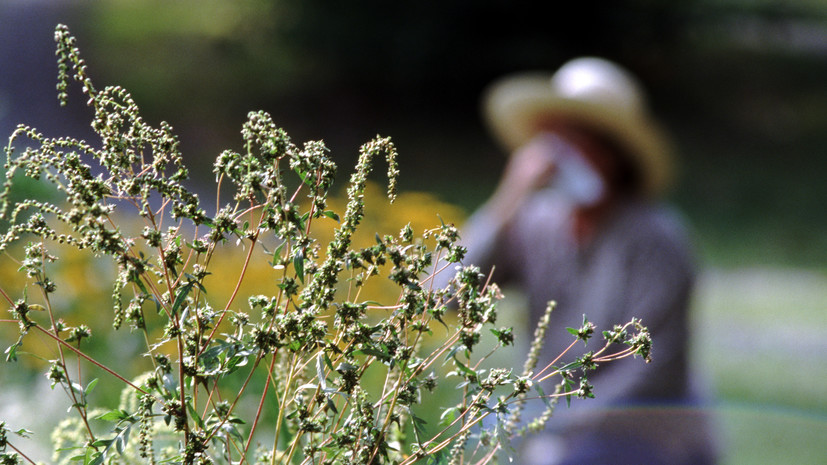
(742, 85)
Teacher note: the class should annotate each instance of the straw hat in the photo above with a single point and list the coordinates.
(592, 91)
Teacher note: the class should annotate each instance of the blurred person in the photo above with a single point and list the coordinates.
(577, 218)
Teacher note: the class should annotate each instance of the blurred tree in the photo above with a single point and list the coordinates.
(740, 81)
(379, 48)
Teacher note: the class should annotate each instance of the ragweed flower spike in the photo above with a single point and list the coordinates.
(344, 373)
(319, 294)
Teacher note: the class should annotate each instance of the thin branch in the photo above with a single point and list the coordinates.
(94, 362)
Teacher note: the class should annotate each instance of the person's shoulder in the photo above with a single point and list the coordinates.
(665, 242)
(658, 226)
(656, 217)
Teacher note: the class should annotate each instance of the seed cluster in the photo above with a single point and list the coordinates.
(332, 376)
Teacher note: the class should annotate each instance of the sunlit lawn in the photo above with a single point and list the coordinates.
(761, 334)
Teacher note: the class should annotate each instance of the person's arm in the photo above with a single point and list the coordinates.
(659, 281)
(485, 232)
(529, 169)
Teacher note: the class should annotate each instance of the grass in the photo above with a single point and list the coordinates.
(761, 434)
(761, 335)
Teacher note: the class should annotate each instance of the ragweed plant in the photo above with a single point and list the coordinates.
(307, 369)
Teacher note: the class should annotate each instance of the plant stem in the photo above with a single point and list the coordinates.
(26, 457)
(79, 406)
(93, 361)
(260, 407)
(234, 294)
(280, 416)
(6, 296)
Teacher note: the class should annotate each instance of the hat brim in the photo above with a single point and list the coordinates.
(517, 107)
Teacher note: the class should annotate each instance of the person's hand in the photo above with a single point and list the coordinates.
(529, 169)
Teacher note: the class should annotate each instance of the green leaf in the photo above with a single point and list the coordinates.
(418, 423)
(170, 383)
(303, 176)
(571, 366)
(383, 356)
(332, 406)
(298, 265)
(102, 443)
(328, 362)
(332, 215)
(181, 297)
(119, 444)
(90, 387)
(77, 388)
(277, 252)
(233, 431)
(345, 367)
(568, 385)
(448, 416)
(113, 415)
(543, 396)
(453, 352)
(11, 352)
(463, 368)
(320, 370)
(195, 416)
(437, 458)
(210, 355)
(93, 457)
(63, 449)
(157, 303)
(97, 459)
(237, 361)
